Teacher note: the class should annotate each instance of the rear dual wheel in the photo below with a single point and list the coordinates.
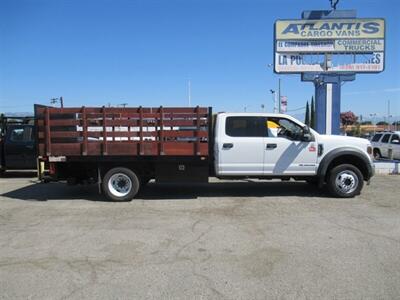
(120, 184)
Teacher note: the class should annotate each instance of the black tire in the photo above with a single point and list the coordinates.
(377, 154)
(120, 184)
(345, 181)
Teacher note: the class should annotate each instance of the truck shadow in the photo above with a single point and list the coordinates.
(153, 191)
(19, 174)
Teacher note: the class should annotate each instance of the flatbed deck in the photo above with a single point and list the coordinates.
(133, 131)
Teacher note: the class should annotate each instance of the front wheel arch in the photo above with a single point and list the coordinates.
(341, 156)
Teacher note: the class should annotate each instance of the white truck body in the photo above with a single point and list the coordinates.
(275, 153)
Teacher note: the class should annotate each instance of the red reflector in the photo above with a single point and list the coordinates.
(52, 168)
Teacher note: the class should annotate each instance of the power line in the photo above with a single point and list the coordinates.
(300, 108)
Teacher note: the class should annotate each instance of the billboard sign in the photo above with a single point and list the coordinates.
(340, 45)
(327, 29)
(303, 63)
(303, 46)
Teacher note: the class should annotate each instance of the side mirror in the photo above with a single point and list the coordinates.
(396, 142)
(306, 129)
(307, 136)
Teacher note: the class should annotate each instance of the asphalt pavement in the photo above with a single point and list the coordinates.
(223, 240)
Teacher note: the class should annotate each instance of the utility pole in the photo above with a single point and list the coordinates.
(274, 98)
(388, 114)
(55, 100)
(279, 90)
(279, 95)
(373, 121)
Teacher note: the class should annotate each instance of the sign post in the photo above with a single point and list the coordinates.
(327, 48)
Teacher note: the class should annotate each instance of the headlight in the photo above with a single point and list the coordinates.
(369, 150)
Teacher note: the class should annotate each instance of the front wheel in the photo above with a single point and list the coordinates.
(377, 154)
(120, 184)
(345, 181)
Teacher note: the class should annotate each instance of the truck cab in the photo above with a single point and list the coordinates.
(279, 146)
(17, 144)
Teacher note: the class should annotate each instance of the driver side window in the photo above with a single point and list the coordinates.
(281, 127)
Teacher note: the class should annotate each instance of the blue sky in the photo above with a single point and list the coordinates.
(94, 52)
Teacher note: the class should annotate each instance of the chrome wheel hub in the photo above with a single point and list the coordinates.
(346, 181)
(120, 184)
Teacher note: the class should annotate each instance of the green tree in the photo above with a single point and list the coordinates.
(366, 123)
(312, 114)
(382, 123)
(307, 116)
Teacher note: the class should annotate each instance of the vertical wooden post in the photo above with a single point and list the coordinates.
(47, 130)
(141, 130)
(198, 130)
(161, 131)
(104, 131)
(84, 129)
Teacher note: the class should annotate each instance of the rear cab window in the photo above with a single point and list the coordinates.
(21, 134)
(245, 126)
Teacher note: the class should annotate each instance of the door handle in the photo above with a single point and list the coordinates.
(271, 146)
(227, 146)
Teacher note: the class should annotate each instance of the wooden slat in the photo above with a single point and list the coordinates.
(60, 134)
(126, 122)
(183, 123)
(98, 134)
(197, 131)
(104, 121)
(47, 135)
(67, 122)
(112, 110)
(85, 135)
(182, 133)
(161, 131)
(141, 151)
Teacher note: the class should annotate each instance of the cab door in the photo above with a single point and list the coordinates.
(240, 146)
(286, 152)
(395, 145)
(384, 145)
(19, 148)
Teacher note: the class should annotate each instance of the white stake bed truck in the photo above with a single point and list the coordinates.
(121, 149)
